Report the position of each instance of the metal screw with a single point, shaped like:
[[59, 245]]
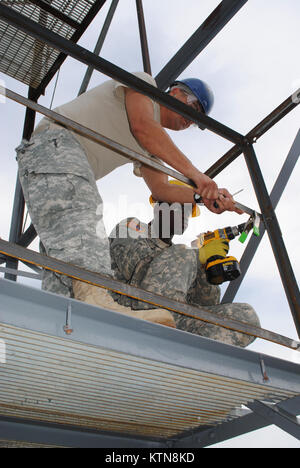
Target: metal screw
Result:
[[68, 327]]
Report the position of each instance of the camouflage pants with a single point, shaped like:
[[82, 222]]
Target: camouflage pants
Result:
[[177, 273], [64, 204]]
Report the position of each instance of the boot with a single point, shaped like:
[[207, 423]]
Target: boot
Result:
[[100, 297]]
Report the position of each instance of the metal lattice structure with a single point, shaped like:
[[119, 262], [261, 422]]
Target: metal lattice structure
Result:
[[29, 60], [191, 401]]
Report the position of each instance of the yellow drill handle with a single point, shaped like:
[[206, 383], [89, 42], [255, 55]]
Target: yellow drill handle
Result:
[[207, 237]]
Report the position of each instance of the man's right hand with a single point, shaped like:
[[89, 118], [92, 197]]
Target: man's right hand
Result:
[[225, 202], [206, 187], [216, 200]]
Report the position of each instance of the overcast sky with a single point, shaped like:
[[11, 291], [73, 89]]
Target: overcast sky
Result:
[[252, 66]]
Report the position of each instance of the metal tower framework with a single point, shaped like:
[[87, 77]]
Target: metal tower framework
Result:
[[50, 30]]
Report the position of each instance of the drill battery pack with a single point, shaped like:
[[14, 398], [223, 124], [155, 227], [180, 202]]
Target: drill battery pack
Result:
[[218, 269]]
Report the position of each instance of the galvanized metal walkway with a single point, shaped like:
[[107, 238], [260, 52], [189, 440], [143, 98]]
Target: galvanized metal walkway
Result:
[[77, 375]]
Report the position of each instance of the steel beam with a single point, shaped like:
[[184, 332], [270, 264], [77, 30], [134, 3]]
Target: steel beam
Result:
[[259, 130], [85, 56], [198, 41], [281, 256], [25, 307], [97, 137], [4, 258], [222, 432], [16, 224], [237, 427], [56, 13], [143, 37], [28, 236], [25, 240], [19, 202], [254, 242], [75, 38], [119, 287], [13, 429], [99, 45], [58, 435], [38, 311], [291, 406], [274, 415], [21, 273]]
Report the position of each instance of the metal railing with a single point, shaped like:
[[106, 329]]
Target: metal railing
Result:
[[243, 144]]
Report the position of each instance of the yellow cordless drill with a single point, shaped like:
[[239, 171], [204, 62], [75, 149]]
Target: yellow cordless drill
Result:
[[213, 248]]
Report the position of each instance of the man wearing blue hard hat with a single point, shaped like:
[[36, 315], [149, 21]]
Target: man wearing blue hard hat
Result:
[[58, 170], [200, 90], [149, 131]]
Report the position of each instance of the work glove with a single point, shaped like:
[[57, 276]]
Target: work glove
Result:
[[219, 247]]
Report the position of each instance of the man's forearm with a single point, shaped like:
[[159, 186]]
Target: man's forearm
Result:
[[157, 142], [173, 194], [153, 138]]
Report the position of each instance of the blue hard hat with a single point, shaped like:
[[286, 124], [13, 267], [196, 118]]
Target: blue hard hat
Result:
[[201, 90]]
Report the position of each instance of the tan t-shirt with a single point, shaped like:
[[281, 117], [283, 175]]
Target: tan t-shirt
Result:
[[102, 109]]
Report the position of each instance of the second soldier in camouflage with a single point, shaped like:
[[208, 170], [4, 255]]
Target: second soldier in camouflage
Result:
[[142, 256]]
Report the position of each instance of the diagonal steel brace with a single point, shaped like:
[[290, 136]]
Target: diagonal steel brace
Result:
[[277, 416]]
